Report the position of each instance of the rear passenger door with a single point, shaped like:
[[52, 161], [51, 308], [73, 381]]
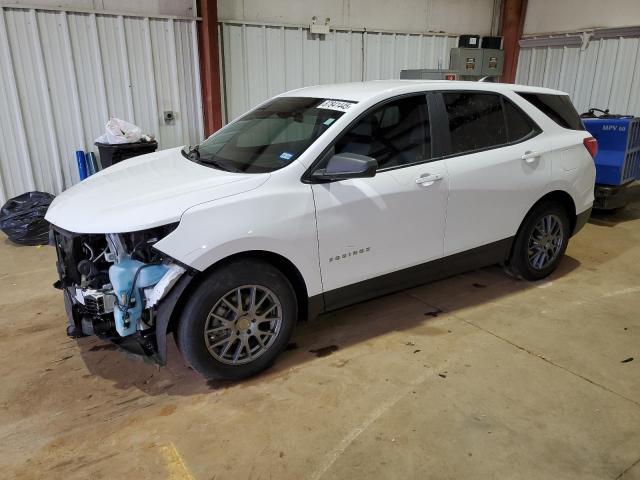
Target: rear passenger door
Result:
[[498, 165]]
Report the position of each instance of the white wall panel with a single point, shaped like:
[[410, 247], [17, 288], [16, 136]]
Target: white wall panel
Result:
[[87, 64], [62, 85], [585, 74], [188, 76], [547, 16], [605, 73], [260, 61], [153, 8], [459, 16], [63, 73], [166, 86], [34, 98], [141, 73], [16, 170]]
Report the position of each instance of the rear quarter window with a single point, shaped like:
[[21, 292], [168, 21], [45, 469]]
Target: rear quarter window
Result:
[[557, 107], [519, 125]]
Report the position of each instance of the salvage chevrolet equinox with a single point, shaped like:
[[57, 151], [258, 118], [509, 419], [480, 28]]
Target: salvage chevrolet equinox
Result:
[[316, 199]]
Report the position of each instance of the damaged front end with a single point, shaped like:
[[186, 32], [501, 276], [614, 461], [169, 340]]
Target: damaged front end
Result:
[[115, 287]]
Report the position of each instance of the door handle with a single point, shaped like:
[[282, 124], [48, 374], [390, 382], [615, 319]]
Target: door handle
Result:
[[530, 156], [428, 179]]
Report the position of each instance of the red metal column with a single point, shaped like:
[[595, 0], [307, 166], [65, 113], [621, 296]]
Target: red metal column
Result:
[[513, 15], [210, 65]]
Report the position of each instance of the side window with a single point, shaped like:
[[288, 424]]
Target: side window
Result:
[[395, 134], [519, 125], [476, 121]]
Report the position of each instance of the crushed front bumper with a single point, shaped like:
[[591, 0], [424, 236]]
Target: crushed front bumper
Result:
[[90, 309], [84, 323]]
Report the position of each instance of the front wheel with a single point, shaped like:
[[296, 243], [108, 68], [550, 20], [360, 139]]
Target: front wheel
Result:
[[540, 243], [238, 320]]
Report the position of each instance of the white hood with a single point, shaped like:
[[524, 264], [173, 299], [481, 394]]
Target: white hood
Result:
[[144, 192]]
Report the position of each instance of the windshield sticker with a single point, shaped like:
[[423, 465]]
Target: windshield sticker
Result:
[[337, 105], [329, 121], [286, 156]]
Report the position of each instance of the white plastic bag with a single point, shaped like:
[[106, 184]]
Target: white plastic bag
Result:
[[119, 131]]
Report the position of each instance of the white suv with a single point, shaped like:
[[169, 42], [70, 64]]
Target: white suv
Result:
[[316, 199]]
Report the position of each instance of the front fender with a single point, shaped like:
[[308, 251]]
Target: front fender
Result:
[[278, 218]]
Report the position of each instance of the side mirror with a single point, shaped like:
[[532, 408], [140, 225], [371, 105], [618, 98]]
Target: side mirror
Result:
[[346, 165]]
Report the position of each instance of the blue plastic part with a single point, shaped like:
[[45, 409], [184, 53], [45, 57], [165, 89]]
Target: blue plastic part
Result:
[[91, 168], [82, 164], [618, 158], [121, 276], [93, 161], [87, 162]]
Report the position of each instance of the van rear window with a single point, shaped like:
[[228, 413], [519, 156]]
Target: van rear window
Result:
[[557, 107]]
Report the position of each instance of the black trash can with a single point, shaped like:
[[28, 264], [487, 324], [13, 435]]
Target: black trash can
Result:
[[112, 154]]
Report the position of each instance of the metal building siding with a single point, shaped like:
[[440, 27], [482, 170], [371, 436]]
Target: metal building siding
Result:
[[189, 93], [85, 62], [63, 74], [261, 60], [34, 98], [141, 74], [16, 171], [605, 73]]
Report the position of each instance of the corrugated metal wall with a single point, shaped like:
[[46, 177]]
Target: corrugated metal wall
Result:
[[260, 61], [62, 74], [605, 73]]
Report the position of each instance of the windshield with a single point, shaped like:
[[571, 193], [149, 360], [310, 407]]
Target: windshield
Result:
[[270, 137]]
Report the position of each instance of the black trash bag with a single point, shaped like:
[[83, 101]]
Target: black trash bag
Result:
[[22, 218]]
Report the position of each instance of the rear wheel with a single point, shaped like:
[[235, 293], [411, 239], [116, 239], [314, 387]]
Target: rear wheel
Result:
[[541, 242], [238, 320]]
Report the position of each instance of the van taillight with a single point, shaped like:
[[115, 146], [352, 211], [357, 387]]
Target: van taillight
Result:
[[591, 144]]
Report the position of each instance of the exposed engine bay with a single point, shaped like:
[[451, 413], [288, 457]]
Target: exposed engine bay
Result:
[[112, 284]]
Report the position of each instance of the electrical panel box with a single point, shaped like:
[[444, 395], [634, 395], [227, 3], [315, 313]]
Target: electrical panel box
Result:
[[477, 62], [492, 62], [464, 64], [466, 61]]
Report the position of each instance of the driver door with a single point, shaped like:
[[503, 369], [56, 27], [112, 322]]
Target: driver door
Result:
[[372, 231]]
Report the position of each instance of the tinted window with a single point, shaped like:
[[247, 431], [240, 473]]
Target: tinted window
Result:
[[557, 107], [396, 133], [476, 121], [519, 126], [269, 137], [278, 130]]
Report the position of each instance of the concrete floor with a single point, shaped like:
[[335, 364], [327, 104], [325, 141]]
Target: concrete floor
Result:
[[478, 376]]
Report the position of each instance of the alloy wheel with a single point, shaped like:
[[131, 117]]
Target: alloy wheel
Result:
[[243, 324], [545, 242]]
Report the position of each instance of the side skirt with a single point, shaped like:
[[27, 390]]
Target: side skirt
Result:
[[496, 252]]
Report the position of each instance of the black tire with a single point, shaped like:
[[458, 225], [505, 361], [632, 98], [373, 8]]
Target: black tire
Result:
[[190, 333], [519, 263]]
